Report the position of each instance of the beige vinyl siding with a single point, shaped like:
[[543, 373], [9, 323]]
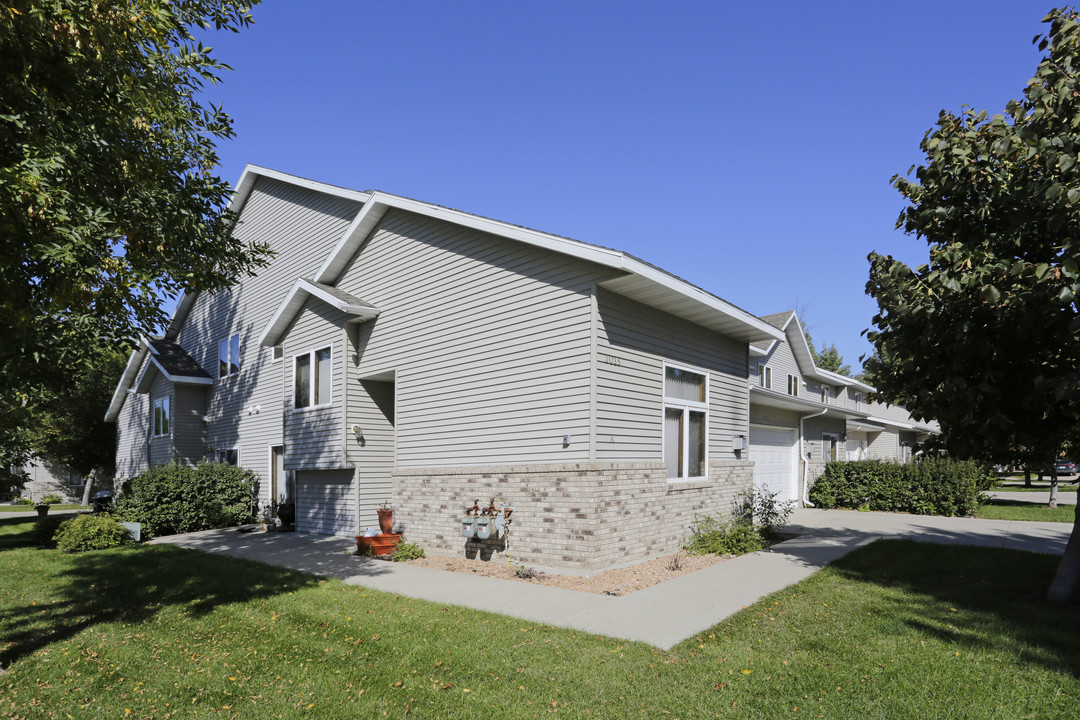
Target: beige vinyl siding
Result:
[[161, 448], [302, 226], [313, 435], [488, 339], [634, 341], [371, 408], [189, 430], [884, 445], [132, 436], [783, 363], [813, 429]]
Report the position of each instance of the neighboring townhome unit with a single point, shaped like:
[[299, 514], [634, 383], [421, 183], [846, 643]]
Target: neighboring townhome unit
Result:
[[802, 417], [395, 350]]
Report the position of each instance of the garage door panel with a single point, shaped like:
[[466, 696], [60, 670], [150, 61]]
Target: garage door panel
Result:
[[326, 502], [773, 452]]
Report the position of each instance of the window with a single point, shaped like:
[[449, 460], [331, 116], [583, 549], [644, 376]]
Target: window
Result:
[[311, 379], [793, 385], [686, 413], [278, 352], [228, 352], [829, 444], [161, 417], [230, 456], [825, 394], [858, 401], [764, 373]]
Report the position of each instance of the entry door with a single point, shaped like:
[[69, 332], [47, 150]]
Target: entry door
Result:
[[773, 451]]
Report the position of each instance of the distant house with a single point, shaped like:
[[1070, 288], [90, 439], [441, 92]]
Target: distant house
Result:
[[801, 416], [400, 351]]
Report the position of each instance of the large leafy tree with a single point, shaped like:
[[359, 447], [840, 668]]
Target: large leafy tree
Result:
[[984, 337], [109, 204]]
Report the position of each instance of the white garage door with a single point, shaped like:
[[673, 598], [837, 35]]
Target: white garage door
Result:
[[774, 454], [325, 502]]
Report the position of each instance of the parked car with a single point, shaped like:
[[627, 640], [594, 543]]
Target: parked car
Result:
[[1065, 467]]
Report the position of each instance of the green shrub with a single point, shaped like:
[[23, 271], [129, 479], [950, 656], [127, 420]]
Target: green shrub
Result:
[[930, 485], [407, 551], [52, 499], [91, 532], [171, 499], [768, 514], [710, 536], [23, 501]]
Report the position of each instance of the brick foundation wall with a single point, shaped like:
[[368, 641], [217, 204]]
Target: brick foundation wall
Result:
[[587, 516]]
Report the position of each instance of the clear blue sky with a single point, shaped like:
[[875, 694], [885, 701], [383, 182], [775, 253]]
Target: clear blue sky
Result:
[[745, 147]]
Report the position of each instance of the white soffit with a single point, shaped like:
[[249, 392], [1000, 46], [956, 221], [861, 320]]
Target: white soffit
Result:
[[126, 380]]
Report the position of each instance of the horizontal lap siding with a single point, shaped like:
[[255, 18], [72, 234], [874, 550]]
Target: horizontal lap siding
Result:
[[161, 448], [313, 435], [302, 226], [371, 408], [189, 430], [132, 431], [634, 341], [488, 339], [783, 363], [326, 502]]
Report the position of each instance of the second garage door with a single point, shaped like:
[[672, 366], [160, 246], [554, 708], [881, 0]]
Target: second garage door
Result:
[[775, 461], [325, 502]]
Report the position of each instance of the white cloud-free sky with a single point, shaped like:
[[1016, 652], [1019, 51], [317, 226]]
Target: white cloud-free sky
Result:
[[745, 147]]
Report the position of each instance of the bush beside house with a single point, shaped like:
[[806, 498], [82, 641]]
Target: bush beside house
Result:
[[930, 485], [174, 498], [91, 532]]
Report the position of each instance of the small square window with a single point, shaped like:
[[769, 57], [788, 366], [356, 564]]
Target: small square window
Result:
[[278, 352]]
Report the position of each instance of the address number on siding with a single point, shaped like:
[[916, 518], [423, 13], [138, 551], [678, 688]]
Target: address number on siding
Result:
[[611, 360]]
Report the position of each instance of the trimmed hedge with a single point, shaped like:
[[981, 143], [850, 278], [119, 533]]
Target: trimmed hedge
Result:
[[91, 532], [930, 485], [172, 499]]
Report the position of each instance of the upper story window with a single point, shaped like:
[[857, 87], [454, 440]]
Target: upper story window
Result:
[[858, 401], [277, 352], [825, 394], [228, 352], [764, 373], [160, 412], [311, 379], [793, 385], [686, 416]]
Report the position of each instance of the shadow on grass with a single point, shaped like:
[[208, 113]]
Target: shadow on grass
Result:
[[988, 599], [62, 595]]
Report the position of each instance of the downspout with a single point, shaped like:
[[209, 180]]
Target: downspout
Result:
[[804, 457]]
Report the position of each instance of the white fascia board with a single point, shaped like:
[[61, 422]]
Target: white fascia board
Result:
[[669, 281], [350, 242], [175, 379], [838, 379], [126, 380], [890, 423], [252, 172], [294, 301]]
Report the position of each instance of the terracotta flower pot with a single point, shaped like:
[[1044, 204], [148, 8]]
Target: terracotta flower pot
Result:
[[378, 544], [386, 520]]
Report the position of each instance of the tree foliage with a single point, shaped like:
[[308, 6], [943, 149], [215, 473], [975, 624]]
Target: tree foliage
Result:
[[108, 199], [984, 337], [828, 358]]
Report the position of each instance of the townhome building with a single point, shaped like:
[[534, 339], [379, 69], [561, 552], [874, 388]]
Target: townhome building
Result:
[[400, 351], [802, 417]]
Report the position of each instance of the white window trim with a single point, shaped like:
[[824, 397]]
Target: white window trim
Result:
[[274, 357], [230, 361], [793, 385], [218, 451], [765, 376], [686, 406], [292, 387], [164, 400]]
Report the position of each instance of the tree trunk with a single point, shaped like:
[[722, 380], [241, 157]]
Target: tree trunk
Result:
[[88, 487], [1053, 487], [1063, 587], [1027, 477]]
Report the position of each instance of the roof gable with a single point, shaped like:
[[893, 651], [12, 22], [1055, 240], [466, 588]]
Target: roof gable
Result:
[[293, 303]]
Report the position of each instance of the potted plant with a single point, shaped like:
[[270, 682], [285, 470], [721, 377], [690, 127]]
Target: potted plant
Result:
[[266, 518], [286, 512], [386, 518], [42, 507]]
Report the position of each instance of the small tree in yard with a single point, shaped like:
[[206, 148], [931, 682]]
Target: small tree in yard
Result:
[[985, 338]]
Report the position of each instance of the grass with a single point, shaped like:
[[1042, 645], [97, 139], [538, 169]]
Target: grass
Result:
[[52, 508], [1035, 487], [1016, 510], [895, 630]]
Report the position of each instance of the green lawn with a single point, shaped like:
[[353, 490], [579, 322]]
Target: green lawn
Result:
[[52, 508], [895, 630], [1012, 510]]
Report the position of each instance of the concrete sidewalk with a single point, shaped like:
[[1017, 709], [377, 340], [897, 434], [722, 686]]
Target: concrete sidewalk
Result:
[[662, 615]]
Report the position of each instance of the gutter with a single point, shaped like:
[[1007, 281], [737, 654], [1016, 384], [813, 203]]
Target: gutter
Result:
[[803, 456]]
